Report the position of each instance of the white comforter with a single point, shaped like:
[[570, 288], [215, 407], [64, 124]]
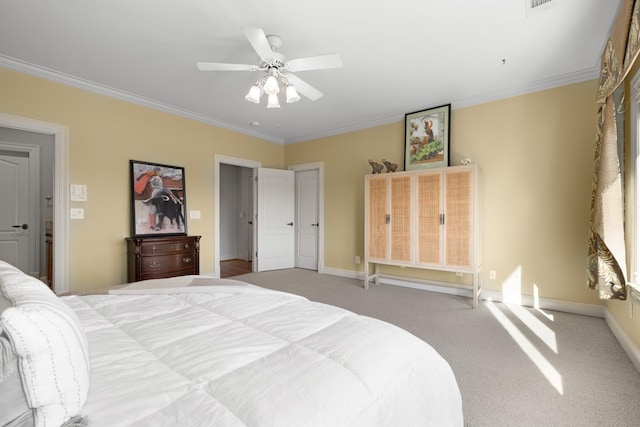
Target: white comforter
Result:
[[195, 351]]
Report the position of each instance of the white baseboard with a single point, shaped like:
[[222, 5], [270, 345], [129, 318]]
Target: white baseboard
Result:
[[629, 346], [349, 274], [593, 310]]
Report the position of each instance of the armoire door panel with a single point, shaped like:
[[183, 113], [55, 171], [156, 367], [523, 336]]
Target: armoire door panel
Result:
[[377, 218], [400, 218], [429, 214], [458, 218]]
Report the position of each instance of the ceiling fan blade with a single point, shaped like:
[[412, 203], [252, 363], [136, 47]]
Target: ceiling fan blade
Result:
[[214, 66], [320, 62], [259, 41], [303, 87]]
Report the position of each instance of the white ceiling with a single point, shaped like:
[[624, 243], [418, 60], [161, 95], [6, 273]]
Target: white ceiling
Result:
[[399, 56]]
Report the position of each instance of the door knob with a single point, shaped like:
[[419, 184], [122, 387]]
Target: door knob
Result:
[[316, 224], [23, 226], [290, 224]]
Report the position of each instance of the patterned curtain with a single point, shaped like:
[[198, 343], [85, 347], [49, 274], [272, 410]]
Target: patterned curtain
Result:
[[606, 262]]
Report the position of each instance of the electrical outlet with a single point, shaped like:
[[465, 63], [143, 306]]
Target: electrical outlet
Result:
[[492, 274], [357, 259]]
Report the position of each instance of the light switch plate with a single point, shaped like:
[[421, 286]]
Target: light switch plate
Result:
[[78, 193], [76, 213]]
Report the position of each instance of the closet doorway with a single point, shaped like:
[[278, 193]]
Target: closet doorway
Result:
[[309, 201]]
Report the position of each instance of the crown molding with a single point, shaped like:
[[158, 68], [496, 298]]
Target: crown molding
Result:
[[563, 80], [536, 86], [48, 74], [45, 73]]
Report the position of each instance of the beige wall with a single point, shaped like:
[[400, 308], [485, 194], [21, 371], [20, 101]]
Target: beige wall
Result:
[[535, 152], [536, 155], [104, 134]]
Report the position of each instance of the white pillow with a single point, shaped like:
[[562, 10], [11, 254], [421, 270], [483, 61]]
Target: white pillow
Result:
[[14, 410], [51, 347]]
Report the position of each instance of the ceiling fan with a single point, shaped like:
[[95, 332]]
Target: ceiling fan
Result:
[[278, 70]]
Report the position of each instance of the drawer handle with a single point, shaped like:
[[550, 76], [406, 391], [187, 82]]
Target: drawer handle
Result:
[[186, 246], [154, 264], [186, 260], [153, 249]]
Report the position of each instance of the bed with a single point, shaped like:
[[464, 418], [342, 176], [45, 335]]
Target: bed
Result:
[[199, 351]]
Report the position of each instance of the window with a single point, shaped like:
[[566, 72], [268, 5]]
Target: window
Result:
[[633, 201]]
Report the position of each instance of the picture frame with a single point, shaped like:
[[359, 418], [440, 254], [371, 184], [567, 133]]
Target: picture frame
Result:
[[158, 199], [426, 143]]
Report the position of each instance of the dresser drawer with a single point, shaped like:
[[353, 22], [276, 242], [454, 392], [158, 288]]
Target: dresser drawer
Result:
[[167, 265], [164, 247], [164, 263]]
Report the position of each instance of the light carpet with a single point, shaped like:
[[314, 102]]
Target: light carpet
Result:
[[515, 366]]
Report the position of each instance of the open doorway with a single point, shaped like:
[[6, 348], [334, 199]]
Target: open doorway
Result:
[[236, 220], [225, 167]]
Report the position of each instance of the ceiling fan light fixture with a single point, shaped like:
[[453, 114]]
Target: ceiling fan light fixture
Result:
[[271, 86], [276, 68], [292, 95], [273, 101], [254, 94]]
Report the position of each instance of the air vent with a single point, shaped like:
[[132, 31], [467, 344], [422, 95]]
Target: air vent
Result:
[[537, 6]]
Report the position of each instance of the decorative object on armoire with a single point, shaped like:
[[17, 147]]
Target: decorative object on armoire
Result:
[[426, 143], [160, 257], [376, 167], [425, 219], [158, 200], [465, 162], [391, 167]]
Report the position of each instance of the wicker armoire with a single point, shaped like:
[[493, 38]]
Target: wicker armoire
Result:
[[426, 219]]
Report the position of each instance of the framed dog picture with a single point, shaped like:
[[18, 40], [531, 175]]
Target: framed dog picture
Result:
[[426, 143], [158, 200]]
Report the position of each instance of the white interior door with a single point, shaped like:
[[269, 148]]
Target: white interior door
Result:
[[14, 210], [307, 223], [275, 221]]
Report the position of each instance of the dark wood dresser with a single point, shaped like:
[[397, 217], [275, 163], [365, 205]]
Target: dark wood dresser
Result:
[[159, 257]]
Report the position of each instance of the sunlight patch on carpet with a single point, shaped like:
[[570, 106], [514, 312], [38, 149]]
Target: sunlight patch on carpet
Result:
[[544, 366], [543, 332]]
